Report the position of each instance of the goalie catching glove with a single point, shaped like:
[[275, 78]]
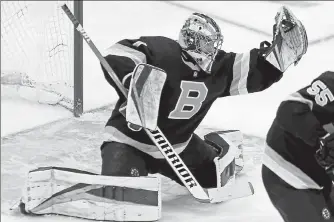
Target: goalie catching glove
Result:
[[289, 40]]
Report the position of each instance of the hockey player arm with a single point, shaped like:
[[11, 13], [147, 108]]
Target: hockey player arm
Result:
[[296, 117], [246, 73], [123, 58], [308, 113], [258, 69]]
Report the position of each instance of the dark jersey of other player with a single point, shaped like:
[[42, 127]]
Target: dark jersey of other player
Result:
[[293, 138], [188, 92]]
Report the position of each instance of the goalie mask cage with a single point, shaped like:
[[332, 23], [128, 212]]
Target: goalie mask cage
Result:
[[41, 53]]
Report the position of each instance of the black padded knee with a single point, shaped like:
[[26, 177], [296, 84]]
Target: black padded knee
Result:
[[119, 159], [218, 143]]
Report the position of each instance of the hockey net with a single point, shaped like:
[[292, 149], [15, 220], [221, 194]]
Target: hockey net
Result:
[[37, 52]]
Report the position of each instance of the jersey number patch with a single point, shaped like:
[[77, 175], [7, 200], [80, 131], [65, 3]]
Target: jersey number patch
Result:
[[321, 92], [190, 100]]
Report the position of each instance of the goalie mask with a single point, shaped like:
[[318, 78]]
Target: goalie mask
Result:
[[201, 38]]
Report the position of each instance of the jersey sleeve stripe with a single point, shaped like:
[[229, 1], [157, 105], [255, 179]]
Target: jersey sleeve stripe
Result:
[[126, 77], [139, 43], [297, 97], [240, 74], [122, 50], [287, 171], [114, 134]]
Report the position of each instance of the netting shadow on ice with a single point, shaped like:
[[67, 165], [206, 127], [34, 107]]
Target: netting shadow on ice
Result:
[[37, 51]]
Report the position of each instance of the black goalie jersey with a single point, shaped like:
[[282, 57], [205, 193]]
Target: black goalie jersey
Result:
[[293, 138], [188, 92]]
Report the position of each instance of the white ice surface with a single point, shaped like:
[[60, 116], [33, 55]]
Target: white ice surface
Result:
[[108, 22]]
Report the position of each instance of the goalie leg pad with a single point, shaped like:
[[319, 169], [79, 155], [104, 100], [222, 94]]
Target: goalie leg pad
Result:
[[71, 192]]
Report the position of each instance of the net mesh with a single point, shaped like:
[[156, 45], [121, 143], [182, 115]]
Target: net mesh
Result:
[[37, 51]]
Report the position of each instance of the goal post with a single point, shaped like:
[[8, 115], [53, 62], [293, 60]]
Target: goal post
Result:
[[42, 54], [78, 62]]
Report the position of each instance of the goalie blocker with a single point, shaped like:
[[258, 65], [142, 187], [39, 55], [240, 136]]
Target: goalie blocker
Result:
[[144, 95], [72, 192]]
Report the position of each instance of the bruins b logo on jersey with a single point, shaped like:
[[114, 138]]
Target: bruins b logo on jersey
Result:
[[190, 100]]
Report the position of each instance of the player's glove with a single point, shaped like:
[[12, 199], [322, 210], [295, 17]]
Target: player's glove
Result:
[[325, 155], [290, 41]]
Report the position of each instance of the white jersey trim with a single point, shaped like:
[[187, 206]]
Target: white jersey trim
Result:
[[122, 50], [117, 136], [240, 74], [126, 77], [297, 97], [139, 43], [287, 171]]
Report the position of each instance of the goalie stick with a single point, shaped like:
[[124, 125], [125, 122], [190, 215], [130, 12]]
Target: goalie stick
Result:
[[157, 136]]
